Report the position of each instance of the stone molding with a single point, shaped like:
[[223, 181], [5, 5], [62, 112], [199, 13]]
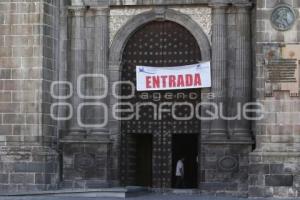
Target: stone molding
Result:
[[99, 10], [218, 5], [243, 5], [171, 2], [77, 11]]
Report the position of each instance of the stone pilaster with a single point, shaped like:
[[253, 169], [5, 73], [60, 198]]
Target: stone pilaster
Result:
[[242, 72], [101, 48], [101, 39], [100, 68], [218, 127], [115, 126], [62, 60], [86, 147], [77, 61]]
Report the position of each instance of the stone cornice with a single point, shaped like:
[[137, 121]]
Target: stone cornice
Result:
[[82, 10], [99, 10], [159, 2], [112, 3], [77, 10], [218, 5], [243, 7], [243, 4]]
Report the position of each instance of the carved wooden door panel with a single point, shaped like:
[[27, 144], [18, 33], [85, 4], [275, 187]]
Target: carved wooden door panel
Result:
[[158, 43]]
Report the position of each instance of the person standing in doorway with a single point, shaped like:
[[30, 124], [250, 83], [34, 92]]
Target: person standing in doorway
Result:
[[180, 173]]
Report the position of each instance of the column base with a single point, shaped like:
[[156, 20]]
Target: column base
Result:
[[224, 168], [85, 160]]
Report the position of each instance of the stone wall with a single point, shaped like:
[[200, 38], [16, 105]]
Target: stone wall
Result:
[[27, 39], [274, 165], [224, 169], [36, 43]]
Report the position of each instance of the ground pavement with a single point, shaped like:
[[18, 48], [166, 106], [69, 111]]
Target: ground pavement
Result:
[[143, 197]]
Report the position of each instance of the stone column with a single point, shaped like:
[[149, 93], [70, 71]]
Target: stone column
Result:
[[77, 61], [218, 127], [242, 71]]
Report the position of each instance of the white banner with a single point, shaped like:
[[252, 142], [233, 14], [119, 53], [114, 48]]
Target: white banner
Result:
[[173, 78]]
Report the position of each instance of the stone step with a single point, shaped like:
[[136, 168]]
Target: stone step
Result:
[[185, 191], [130, 191]]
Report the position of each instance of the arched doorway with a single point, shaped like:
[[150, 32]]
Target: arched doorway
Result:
[[151, 146]]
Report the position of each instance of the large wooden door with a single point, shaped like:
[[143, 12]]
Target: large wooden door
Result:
[[144, 160], [158, 43]]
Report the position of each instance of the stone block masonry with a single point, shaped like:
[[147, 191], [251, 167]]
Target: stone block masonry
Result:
[[274, 165], [28, 41], [42, 41]]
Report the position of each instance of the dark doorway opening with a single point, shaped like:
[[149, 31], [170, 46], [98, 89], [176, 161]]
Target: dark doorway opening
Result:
[[186, 146], [144, 160]]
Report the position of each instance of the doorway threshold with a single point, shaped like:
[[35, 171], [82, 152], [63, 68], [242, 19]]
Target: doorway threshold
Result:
[[185, 191]]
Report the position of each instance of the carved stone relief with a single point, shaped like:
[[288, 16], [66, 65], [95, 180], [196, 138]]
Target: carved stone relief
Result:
[[283, 17], [119, 16], [228, 163], [84, 161]]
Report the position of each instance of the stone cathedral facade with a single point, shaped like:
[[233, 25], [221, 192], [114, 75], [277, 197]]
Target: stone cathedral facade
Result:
[[56, 132]]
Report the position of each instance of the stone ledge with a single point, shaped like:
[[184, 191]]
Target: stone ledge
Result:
[[256, 153], [167, 2], [23, 150]]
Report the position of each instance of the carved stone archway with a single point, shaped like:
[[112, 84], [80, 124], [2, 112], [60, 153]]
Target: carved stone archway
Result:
[[120, 39], [116, 51]]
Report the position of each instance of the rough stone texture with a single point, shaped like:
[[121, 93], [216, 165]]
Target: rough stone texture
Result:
[[200, 14], [119, 16], [224, 169], [85, 162], [40, 42], [275, 161], [27, 60], [87, 47], [226, 144], [266, 33], [219, 63]]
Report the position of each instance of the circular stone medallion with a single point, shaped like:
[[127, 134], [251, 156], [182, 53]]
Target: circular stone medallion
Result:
[[228, 163], [283, 17], [84, 161]]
